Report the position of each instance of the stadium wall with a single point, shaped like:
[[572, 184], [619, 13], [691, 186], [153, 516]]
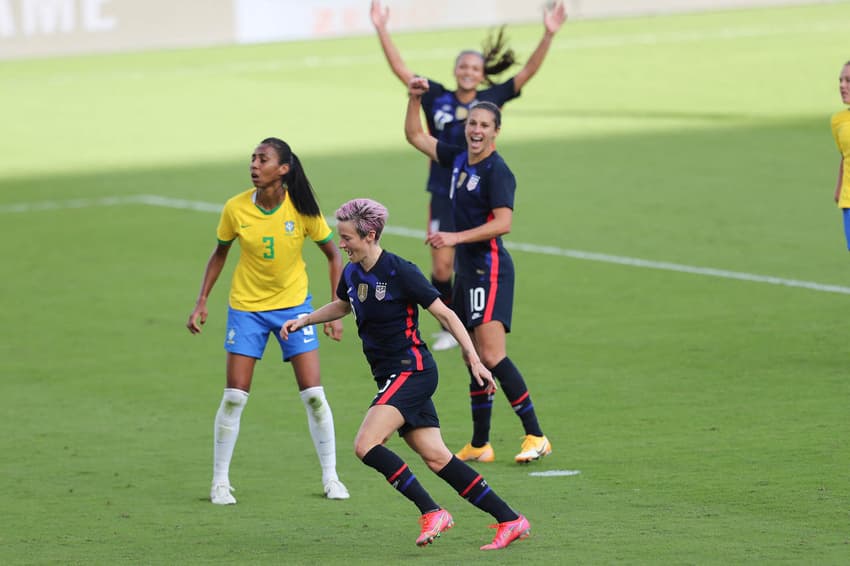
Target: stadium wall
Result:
[[42, 28]]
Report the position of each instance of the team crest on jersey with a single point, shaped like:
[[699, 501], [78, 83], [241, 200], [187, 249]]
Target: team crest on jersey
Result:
[[461, 178], [289, 226], [461, 112], [380, 291], [362, 291], [473, 182]]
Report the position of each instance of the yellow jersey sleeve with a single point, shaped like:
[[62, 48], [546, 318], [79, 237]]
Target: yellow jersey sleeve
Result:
[[840, 124], [227, 230], [317, 229]]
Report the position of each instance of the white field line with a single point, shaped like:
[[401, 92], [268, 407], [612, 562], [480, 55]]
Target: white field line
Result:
[[565, 43], [200, 206]]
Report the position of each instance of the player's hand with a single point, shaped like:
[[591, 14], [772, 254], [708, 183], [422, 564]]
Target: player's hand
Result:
[[333, 330], [291, 326], [197, 319], [483, 376], [417, 86], [380, 15], [554, 15], [439, 240]]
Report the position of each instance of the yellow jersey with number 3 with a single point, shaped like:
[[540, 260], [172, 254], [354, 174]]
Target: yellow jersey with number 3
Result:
[[841, 132], [271, 273]]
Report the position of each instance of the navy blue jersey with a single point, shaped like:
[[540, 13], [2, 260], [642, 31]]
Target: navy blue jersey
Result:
[[446, 118], [475, 191], [385, 303]]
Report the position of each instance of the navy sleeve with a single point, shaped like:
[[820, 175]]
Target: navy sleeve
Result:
[[416, 285], [447, 152], [500, 93], [342, 286], [502, 186]]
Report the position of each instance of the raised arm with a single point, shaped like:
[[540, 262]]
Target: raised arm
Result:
[[553, 17], [380, 17], [413, 130]]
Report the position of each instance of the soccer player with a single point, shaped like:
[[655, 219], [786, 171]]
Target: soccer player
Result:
[[482, 193], [446, 110], [841, 132], [271, 221], [384, 291]]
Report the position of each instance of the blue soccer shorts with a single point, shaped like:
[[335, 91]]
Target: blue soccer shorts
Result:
[[845, 212], [248, 332]]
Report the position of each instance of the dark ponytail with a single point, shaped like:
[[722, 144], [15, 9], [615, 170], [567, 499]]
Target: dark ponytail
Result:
[[498, 57], [297, 184]]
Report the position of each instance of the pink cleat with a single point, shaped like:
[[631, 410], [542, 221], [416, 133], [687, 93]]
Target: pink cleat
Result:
[[508, 532], [433, 524]]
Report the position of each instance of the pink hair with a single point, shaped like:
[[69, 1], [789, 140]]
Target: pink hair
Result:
[[366, 214]]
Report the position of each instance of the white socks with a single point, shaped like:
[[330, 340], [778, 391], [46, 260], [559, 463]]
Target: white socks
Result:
[[321, 422], [226, 432]]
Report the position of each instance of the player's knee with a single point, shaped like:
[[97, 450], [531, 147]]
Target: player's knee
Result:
[[315, 402], [442, 271], [490, 358], [362, 447], [234, 399], [436, 461]]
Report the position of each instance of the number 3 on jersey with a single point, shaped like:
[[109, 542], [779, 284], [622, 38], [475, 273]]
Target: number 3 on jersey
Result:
[[269, 244]]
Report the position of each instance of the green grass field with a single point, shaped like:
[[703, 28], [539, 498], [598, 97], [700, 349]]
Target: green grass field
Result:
[[707, 415]]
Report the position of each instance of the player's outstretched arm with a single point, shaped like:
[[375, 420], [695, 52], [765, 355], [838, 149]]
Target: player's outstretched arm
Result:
[[331, 311], [553, 18], [380, 16], [413, 130]]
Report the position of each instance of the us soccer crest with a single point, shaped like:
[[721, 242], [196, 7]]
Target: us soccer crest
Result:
[[362, 291], [380, 291], [473, 182]]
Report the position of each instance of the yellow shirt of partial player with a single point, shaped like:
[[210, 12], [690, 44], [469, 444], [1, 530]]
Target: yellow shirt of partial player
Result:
[[271, 273], [841, 132]]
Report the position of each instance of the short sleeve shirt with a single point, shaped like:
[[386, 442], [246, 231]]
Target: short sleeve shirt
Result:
[[385, 301], [446, 119], [271, 273], [475, 191], [841, 132]]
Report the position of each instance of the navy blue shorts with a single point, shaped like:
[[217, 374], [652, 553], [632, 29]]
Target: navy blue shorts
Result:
[[440, 215], [248, 332], [478, 299], [410, 392]]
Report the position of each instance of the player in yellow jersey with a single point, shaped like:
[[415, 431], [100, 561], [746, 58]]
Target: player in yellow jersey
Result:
[[271, 221], [841, 132]]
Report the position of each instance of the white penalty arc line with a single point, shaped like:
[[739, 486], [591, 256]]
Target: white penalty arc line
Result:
[[200, 206]]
